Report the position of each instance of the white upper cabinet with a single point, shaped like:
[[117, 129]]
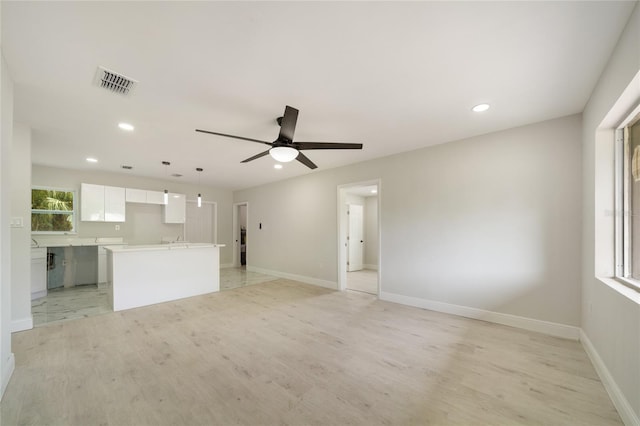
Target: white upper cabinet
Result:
[[175, 211], [155, 197], [136, 195], [114, 204], [91, 202], [99, 203], [143, 196]]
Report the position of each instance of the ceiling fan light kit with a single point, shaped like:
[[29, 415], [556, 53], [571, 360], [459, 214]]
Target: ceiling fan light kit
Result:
[[284, 149], [284, 154]]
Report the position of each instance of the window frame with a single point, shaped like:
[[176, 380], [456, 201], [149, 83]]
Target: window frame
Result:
[[73, 213], [622, 185]]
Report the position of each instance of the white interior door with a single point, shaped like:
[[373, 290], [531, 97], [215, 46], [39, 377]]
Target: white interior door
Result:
[[355, 238], [200, 226]]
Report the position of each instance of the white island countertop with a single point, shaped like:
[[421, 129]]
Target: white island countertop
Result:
[[164, 246]]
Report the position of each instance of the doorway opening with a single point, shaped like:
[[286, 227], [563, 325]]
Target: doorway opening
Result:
[[359, 237], [240, 236]]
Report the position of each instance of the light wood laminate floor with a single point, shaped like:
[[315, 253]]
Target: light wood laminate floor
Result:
[[64, 304], [364, 280], [286, 353]]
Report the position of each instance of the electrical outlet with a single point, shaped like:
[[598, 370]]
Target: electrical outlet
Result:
[[117, 227]]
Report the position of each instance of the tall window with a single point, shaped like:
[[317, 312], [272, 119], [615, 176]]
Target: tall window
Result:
[[628, 202], [52, 210]]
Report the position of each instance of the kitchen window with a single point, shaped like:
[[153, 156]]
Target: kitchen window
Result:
[[628, 201], [53, 210]]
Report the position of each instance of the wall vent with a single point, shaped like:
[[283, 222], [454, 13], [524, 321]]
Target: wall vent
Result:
[[114, 82]]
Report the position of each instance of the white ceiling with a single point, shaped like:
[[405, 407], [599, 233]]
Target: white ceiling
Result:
[[395, 76]]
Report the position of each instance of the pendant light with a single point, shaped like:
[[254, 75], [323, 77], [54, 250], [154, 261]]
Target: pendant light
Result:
[[166, 192], [199, 169]]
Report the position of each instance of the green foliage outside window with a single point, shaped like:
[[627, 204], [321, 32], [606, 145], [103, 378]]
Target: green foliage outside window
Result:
[[52, 210]]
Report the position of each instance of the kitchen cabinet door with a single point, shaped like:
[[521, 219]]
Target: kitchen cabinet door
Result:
[[114, 204], [91, 202], [99, 203], [155, 197], [133, 195], [38, 272], [175, 211]]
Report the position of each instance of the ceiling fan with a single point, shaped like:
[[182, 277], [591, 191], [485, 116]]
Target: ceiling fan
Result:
[[284, 149]]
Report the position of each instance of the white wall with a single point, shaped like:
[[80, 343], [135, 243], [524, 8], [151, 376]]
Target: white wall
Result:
[[7, 361], [488, 223], [21, 237], [610, 313], [143, 222], [371, 232]]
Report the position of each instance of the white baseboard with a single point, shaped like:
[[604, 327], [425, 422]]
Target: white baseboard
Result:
[[304, 279], [373, 267], [545, 327], [22, 324], [39, 294], [226, 265], [7, 371], [629, 417]]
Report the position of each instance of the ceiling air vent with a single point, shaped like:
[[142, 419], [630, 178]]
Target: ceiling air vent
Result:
[[176, 175], [127, 167], [114, 82]]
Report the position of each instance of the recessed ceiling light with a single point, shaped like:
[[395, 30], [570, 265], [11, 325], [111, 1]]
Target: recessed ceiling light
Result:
[[277, 166], [126, 126], [481, 108], [92, 160]]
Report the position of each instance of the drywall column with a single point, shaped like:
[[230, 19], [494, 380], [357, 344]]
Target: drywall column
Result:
[[21, 318], [7, 361]]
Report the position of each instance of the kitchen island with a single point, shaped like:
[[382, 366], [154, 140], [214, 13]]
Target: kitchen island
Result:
[[149, 274]]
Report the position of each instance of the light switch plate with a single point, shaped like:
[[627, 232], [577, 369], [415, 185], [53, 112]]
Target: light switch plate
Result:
[[16, 222]]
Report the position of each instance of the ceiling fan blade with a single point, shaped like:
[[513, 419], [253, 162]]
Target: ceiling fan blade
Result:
[[262, 154], [288, 124], [233, 136], [305, 160], [325, 145]]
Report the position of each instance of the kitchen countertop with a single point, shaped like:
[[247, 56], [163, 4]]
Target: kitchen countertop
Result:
[[75, 242], [171, 246]]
